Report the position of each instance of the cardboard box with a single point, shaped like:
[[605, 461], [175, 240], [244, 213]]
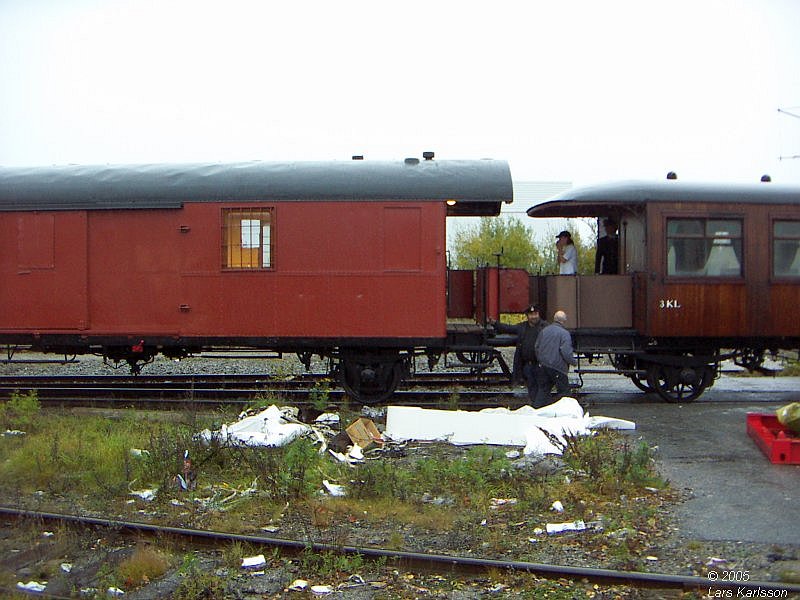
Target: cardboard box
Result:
[[363, 432]]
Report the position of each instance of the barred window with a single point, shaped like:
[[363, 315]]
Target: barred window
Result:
[[704, 247], [247, 238], [786, 249]]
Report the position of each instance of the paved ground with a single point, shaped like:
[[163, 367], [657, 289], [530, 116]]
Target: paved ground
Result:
[[737, 493]]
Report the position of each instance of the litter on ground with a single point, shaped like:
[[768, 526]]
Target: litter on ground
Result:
[[534, 428], [270, 427]]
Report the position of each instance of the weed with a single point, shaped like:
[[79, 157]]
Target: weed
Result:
[[20, 411], [320, 395], [199, 585], [790, 369], [288, 472], [453, 401], [610, 463], [144, 565], [330, 562]]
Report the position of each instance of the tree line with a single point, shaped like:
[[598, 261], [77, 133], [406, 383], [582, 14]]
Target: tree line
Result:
[[517, 246]]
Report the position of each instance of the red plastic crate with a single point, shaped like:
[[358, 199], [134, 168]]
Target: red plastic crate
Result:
[[781, 445]]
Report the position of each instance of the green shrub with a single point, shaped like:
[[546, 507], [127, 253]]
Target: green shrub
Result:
[[20, 411]]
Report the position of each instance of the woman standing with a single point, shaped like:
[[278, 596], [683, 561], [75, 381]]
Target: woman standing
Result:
[[567, 254]]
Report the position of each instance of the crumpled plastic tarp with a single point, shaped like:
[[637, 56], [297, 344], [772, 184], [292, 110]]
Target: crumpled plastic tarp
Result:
[[268, 428], [789, 416], [534, 428]]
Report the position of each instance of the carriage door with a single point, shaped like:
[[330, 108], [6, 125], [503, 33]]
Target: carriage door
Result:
[[49, 286]]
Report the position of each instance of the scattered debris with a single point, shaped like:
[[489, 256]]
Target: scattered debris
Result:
[[353, 456], [186, 480], [254, 562], [138, 452], [327, 419], [373, 412], [66, 567], [270, 427], [363, 433], [533, 428], [11, 432], [557, 506], [553, 528], [496, 503], [321, 590], [334, 489], [298, 585], [146, 495], [32, 586], [115, 591]]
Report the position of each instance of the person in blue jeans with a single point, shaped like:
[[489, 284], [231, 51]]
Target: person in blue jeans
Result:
[[554, 351]]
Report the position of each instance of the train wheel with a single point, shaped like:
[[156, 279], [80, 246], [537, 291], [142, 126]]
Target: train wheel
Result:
[[370, 381], [641, 382], [625, 362], [476, 361], [679, 384]]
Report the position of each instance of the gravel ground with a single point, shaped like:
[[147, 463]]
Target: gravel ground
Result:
[[667, 550]]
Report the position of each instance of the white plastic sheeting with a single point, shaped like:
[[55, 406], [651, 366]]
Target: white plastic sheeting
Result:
[[270, 427], [533, 428]]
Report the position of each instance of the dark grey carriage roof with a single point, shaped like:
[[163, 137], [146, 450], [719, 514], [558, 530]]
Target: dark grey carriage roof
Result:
[[170, 185], [589, 200]]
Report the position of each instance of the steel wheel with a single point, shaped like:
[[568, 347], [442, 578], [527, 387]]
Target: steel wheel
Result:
[[623, 362], [370, 382], [641, 382], [476, 361], [678, 384]]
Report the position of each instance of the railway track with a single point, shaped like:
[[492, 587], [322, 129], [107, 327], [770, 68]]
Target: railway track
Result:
[[423, 389], [214, 390], [453, 565]]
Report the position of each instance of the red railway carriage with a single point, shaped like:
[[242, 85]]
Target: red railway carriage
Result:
[[342, 259], [706, 272]]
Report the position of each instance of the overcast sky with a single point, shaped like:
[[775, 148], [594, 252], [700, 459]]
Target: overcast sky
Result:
[[563, 90]]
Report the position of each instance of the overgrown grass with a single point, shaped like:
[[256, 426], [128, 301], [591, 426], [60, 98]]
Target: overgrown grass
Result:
[[146, 564], [20, 411], [610, 463], [608, 477]]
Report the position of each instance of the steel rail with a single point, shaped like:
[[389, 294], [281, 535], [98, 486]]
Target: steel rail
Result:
[[610, 576]]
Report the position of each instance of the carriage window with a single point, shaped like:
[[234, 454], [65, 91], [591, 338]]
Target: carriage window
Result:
[[704, 247], [246, 238], [786, 249]]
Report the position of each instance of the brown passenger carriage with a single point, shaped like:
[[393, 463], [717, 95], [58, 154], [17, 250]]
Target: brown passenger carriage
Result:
[[706, 272]]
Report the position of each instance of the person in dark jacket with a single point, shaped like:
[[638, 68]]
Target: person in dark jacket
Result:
[[554, 351], [525, 362], [606, 260]]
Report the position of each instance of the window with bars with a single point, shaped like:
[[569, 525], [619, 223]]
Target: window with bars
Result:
[[247, 238], [786, 249], [704, 247]]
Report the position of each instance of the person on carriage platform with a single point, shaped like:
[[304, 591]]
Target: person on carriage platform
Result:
[[567, 254], [606, 261], [526, 364]]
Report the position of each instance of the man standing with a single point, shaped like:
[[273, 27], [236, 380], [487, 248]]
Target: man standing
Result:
[[606, 261], [527, 333], [554, 350]]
